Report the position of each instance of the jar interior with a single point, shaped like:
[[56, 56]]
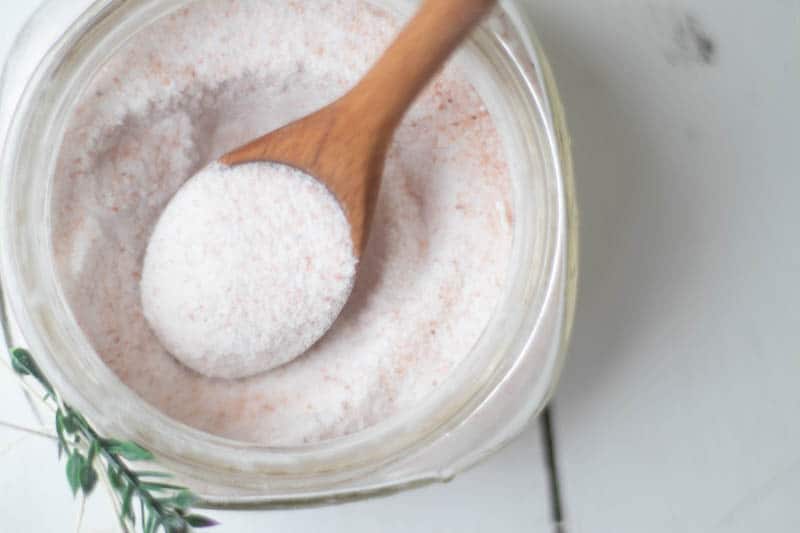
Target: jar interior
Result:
[[50, 327]]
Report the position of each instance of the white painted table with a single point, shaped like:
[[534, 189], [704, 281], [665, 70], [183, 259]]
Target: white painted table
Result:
[[678, 410]]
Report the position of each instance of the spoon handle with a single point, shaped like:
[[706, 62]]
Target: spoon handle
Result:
[[432, 35], [344, 144]]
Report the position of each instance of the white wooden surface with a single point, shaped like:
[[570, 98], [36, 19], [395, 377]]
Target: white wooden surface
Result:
[[679, 410]]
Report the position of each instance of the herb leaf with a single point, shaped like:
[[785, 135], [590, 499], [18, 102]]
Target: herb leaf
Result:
[[182, 500], [74, 468], [157, 487], [198, 521], [150, 525], [85, 448], [115, 479], [173, 524], [94, 448], [88, 478], [24, 365], [129, 450], [127, 499]]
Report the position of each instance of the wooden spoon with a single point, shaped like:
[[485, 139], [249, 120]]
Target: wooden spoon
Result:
[[344, 144]]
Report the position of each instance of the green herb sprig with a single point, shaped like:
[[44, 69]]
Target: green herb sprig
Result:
[[163, 507]]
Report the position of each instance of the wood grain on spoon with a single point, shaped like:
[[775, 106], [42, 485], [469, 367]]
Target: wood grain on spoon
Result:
[[344, 144]]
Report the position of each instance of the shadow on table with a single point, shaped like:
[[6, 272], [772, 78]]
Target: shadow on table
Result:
[[625, 196]]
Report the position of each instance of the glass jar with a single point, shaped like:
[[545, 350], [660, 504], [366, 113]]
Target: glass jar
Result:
[[505, 380]]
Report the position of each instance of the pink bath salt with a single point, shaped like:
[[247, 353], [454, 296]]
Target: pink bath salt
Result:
[[205, 79], [247, 268]]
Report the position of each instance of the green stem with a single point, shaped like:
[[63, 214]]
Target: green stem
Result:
[[81, 513], [132, 479], [30, 431], [25, 385], [114, 497]]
